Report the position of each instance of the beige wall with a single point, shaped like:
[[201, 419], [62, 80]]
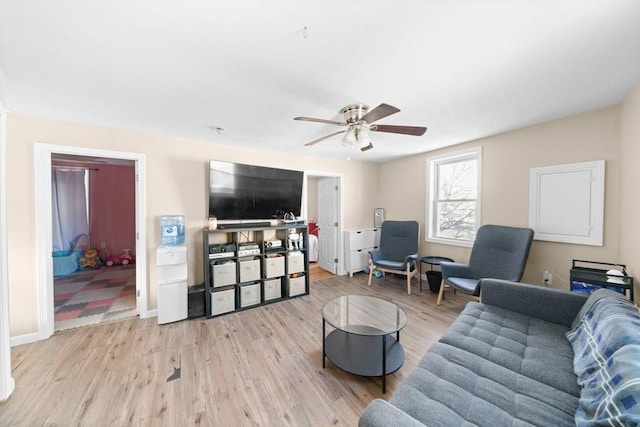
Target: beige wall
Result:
[[312, 199], [629, 188], [506, 161], [177, 178], [176, 183]]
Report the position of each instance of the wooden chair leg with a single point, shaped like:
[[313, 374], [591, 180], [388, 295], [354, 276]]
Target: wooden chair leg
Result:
[[408, 279], [370, 273], [440, 293]]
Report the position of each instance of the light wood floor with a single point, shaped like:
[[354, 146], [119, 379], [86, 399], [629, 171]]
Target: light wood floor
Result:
[[258, 367], [316, 273]]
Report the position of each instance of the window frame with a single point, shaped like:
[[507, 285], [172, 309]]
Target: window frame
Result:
[[431, 217]]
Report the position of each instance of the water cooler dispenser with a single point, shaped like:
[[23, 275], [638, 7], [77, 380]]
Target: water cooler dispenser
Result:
[[172, 270]]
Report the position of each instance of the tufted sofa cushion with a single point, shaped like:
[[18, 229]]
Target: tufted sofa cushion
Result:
[[492, 367]]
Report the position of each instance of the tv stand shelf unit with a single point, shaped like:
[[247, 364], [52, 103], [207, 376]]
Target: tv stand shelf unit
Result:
[[247, 267]]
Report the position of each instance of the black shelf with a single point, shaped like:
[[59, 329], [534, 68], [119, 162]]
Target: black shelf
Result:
[[259, 235], [584, 277], [360, 354]]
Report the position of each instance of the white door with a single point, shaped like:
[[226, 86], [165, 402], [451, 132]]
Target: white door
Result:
[[328, 224]]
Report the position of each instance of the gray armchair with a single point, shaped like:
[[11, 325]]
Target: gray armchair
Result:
[[498, 252], [398, 249]]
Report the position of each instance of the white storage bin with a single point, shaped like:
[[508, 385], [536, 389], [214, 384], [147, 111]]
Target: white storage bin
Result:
[[274, 266], [249, 295], [249, 270], [297, 286], [223, 274], [223, 301], [273, 288], [295, 262]]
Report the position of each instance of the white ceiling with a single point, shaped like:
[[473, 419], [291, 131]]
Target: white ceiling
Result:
[[464, 69]]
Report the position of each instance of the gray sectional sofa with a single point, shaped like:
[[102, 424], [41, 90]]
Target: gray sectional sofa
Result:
[[511, 361]]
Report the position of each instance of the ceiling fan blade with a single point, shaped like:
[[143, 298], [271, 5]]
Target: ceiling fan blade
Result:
[[405, 130], [324, 137], [380, 112], [311, 119]]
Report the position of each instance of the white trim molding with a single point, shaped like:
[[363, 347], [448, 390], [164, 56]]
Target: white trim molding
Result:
[[42, 163], [432, 179], [566, 203], [7, 383]]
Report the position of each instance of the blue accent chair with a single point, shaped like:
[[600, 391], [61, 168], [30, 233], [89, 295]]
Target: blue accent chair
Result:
[[498, 252], [398, 251]]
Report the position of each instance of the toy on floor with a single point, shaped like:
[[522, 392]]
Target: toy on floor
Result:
[[377, 273], [124, 258], [90, 259]]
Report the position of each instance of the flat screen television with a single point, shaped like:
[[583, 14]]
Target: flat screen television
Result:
[[246, 192]]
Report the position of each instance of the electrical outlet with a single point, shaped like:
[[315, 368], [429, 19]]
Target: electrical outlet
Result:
[[546, 277], [103, 245]]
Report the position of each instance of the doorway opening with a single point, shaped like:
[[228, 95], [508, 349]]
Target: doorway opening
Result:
[[45, 156], [324, 216], [93, 211]]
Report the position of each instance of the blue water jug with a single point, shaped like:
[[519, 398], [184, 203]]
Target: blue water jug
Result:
[[172, 230]]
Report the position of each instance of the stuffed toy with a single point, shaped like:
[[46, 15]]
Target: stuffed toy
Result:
[[90, 259]]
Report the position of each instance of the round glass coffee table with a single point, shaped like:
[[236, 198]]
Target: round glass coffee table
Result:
[[362, 341]]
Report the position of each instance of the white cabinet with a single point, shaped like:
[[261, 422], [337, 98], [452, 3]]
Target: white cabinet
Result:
[[172, 275], [358, 243]]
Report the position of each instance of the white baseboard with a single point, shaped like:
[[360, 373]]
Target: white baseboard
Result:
[[33, 337], [150, 313], [24, 339]]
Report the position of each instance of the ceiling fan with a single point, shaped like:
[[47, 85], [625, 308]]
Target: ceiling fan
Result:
[[358, 121]]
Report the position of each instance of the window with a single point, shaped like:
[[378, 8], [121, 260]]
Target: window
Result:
[[453, 186]]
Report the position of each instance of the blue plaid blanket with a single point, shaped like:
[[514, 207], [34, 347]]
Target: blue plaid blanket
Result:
[[606, 345]]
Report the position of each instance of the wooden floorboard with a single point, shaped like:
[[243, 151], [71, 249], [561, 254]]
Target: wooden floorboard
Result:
[[316, 273], [257, 367]]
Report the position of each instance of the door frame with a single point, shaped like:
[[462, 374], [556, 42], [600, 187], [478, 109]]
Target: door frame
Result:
[[340, 268], [7, 383], [44, 232]]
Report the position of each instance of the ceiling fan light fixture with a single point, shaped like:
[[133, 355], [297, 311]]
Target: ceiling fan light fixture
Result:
[[350, 139], [364, 142]]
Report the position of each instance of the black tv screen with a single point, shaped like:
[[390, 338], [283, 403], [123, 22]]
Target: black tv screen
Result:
[[238, 191]]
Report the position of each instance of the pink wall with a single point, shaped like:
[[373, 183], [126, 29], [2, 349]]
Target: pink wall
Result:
[[112, 208], [111, 205]]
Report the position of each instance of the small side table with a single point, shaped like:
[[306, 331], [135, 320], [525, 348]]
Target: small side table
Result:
[[432, 260]]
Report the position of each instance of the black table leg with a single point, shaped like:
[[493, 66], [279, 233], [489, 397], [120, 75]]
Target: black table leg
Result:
[[384, 364], [324, 354]]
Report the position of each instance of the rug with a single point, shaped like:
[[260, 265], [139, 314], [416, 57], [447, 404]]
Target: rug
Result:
[[92, 296]]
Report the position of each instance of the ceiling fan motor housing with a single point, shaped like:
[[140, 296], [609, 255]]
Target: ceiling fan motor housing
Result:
[[354, 113]]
